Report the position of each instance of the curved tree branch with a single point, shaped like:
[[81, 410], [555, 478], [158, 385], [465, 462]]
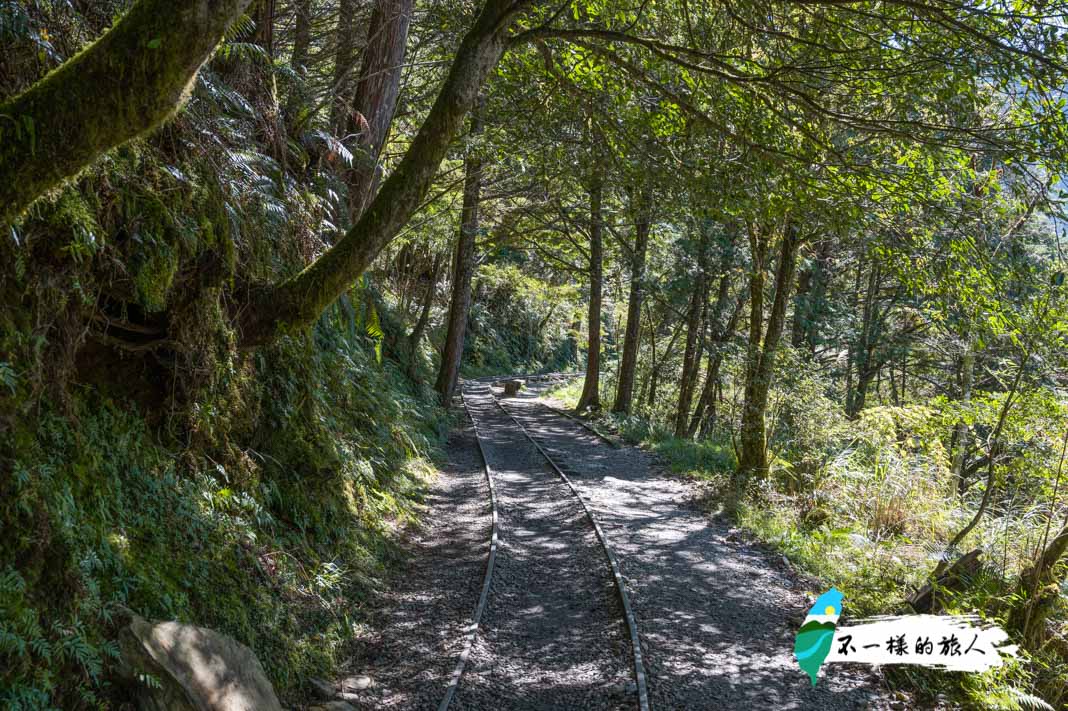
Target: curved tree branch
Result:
[[300, 300], [120, 87]]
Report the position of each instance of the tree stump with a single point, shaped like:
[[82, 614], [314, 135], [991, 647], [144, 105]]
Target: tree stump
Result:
[[512, 387]]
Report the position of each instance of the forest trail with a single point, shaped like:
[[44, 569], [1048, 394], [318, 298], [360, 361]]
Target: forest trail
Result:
[[716, 615]]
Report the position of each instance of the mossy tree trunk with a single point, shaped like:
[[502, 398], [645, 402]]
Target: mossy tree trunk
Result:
[[463, 271], [763, 345], [591, 386], [376, 96], [632, 336], [123, 85]]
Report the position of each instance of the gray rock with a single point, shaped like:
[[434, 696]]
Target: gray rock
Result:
[[356, 683], [179, 667], [322, 689]]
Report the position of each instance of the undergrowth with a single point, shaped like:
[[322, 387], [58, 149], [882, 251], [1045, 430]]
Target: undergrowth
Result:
[[867, 506]]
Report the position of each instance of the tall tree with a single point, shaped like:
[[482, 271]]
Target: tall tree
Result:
[[463, 269], [591, 386], [632, 336], [763, 344], [376, 96]]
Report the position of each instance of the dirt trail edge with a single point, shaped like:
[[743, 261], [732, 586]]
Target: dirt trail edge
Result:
[[717, 616], [417, 625]]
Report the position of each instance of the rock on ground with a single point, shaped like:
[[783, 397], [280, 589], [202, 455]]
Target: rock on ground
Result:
[[179, 667]]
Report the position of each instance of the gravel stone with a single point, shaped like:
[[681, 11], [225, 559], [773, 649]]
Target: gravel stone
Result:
[[716, 616]]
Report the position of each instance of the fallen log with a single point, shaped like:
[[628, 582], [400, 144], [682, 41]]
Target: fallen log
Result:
[[955, 578]]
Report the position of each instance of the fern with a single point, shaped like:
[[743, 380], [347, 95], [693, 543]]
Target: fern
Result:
[[241, 28], [374, 329], [1027, 702], [245, 52]]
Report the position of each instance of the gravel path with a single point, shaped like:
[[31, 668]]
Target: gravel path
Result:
[[418, 624], [717, 616], [552, 635]]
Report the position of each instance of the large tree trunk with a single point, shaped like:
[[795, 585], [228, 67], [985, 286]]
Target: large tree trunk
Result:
[[124, 85], [864, 358], [632, 337], [752, 456], [302, 10], [344, 60], [376, 96], [691, 358], [463, 271], [299, 300], [591, 386]]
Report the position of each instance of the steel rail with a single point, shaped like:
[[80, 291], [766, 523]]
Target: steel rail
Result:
[[617, 576], [487, 579]]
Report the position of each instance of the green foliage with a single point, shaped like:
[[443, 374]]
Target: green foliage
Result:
[[108, 514], [518, 323]]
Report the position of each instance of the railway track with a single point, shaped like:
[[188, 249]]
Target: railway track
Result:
[[545, 632]]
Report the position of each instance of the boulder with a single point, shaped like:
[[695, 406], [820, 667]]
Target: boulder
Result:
[[356, 683], [322, 689], [178, 667]]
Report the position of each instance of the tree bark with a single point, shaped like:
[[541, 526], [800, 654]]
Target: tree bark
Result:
[[424, 317], [376, 96], [591, 386], [632, 337], [298, 301], [463, 271], [707, 401], [125, 84], [691, 358], [752, 457], [343, 63], [301, 33]]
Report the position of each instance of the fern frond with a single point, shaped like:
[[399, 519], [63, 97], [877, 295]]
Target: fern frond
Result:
[[245, 52], [240, 28], [1028, 702]]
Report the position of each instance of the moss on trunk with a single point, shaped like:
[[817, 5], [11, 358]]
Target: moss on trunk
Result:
[[121, 86], [300, 300]]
